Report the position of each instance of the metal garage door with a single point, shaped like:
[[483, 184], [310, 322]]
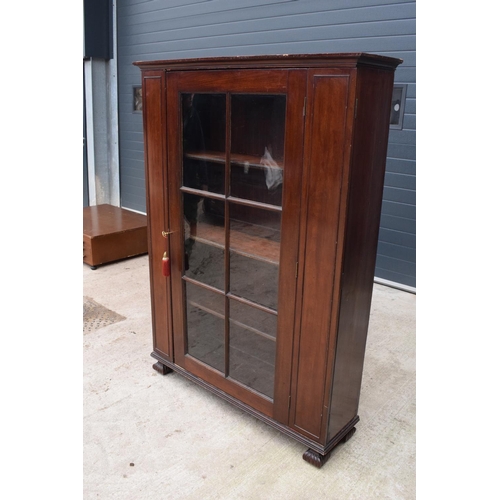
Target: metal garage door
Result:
[[164, 29]]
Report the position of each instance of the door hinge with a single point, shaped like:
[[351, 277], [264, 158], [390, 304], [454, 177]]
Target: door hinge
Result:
[[304, 108], [289, 401], [356, 109], [296, 270]]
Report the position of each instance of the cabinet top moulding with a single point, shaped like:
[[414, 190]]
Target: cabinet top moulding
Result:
[[344, 60]]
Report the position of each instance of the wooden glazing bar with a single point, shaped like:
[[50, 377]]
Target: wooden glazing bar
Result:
[[200, 192], [202, 285], [233, 321]]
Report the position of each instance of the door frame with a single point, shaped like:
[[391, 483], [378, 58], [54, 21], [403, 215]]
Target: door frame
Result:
[[293, 84]]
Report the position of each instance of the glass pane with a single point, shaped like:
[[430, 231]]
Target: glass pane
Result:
[[204, 137], [257, 147], [250, 183], [203, 241], [205, 325], [253, 318], [254, 254], [252, 347]]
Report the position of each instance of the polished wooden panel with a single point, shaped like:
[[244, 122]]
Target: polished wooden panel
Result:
[[292, 188], [249, 81], [112, 233], [229, 386], [338, 263], [362, 226], [325, 150], [176, 220], [153, 85]]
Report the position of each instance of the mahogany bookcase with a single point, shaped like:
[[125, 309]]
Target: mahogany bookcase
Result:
[[264, 180]]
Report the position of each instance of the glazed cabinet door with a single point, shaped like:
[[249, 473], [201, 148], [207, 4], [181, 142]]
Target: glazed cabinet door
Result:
[[234, 179]]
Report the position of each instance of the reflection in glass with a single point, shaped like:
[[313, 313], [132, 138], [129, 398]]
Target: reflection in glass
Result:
[[250, 183], [257, 146], [203, 242], [204, 135], [205, 325], [254, 242], [252, 347], [254, 280]]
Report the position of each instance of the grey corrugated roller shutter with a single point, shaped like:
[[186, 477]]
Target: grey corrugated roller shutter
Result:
[[170, 29]]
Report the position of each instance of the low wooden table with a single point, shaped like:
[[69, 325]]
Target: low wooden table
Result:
[[112, 233]]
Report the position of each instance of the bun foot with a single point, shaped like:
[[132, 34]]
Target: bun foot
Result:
[[161, 368], [314, 458], [348, 435]]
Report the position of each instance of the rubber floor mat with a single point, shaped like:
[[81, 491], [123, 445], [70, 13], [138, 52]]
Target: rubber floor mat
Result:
[[96, 316]]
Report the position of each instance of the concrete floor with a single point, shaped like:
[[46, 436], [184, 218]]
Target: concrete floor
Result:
[[148, 436]]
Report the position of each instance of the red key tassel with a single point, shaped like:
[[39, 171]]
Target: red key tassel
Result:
[[165, 262]]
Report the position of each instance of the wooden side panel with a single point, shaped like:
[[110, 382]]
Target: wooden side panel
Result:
[[366, 181], [325, 158], [153, 84]]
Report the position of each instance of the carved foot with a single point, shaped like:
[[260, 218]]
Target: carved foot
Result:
[[348, 435], [161, 368], [314, 458]]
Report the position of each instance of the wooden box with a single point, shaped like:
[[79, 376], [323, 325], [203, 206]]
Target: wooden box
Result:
[[111, 233]]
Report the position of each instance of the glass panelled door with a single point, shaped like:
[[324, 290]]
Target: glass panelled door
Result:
[[233, 169]]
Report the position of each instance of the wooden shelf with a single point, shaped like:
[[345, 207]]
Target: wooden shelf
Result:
[[235, 158], [233, 321], [241, 243]]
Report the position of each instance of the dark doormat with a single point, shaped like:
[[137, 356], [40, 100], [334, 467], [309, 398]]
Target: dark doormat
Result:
[[96, 316]]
